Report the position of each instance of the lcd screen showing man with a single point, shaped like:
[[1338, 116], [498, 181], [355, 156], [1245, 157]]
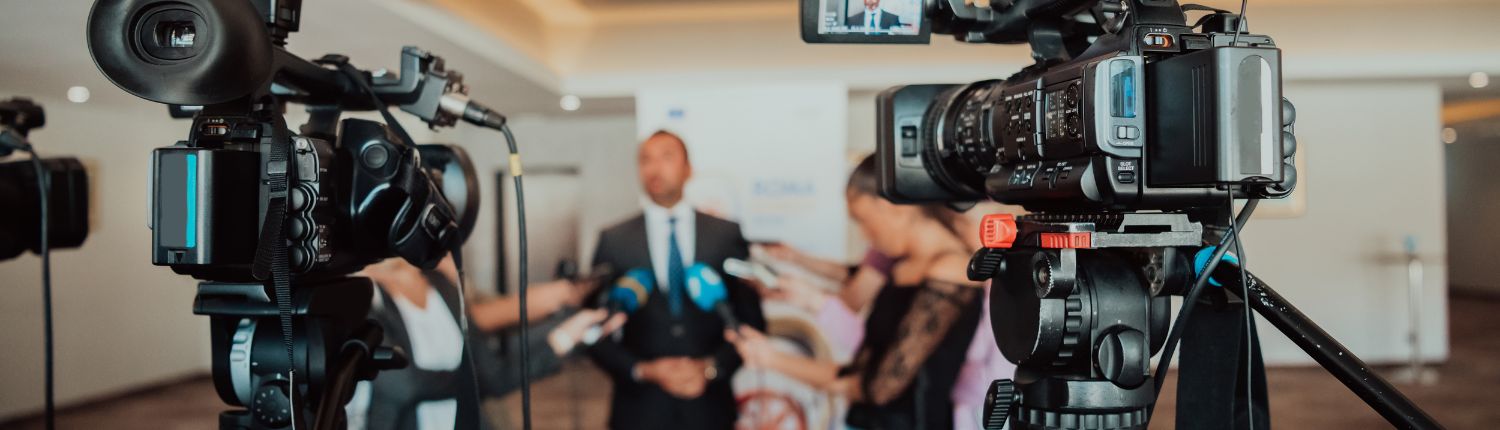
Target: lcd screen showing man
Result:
[[893, 17]]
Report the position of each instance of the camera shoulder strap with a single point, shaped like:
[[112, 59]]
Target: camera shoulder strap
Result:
[[271, 259]]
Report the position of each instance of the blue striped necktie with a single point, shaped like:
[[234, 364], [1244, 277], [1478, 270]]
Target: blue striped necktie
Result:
[[676, 274]]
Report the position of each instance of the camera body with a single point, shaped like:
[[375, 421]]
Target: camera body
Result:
[[1154, 117], [347, 193], [353, 198]]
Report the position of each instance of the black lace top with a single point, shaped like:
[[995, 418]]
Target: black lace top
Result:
[[914, 346]]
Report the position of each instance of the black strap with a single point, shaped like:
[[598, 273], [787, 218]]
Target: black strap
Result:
[[271, 259], [1211, 372]]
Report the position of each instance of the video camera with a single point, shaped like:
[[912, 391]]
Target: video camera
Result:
[[1128, 140], [273, 219], [1126, 109], [21, 183]]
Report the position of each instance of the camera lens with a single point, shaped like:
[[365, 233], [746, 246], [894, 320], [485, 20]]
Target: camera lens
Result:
[[962, 149], [176, 34]]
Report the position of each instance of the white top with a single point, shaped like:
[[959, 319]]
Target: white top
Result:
[[437, 343], [872, 18], [657, 235]]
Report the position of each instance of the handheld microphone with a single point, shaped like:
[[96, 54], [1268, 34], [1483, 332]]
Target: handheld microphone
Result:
[[707, 289], [628, 294]]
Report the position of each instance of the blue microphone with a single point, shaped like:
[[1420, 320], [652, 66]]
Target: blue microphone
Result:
[[630, 291], [708, 292], [627, 295]]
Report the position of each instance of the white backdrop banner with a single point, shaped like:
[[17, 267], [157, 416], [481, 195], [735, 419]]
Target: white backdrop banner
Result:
[[769, 156]]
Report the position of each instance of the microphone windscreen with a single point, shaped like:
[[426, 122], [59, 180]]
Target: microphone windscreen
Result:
[[705, 286], [631, 289]]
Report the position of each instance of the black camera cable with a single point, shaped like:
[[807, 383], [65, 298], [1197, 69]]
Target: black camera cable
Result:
[[14, 140], [1239, 25], [44, 189], [1239, 250], [515, 173], [1191, 300]]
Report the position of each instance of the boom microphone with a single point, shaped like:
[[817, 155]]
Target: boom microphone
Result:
[[708, 292]]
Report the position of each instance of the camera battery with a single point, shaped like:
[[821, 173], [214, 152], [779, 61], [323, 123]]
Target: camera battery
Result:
[[1216, 118]]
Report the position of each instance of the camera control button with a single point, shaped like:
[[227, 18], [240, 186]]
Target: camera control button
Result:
[[299, 199]]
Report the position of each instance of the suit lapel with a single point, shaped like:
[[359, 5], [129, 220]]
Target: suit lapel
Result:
[[638, 240], [702, 245]]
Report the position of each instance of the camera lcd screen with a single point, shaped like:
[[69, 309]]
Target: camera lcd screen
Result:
[[863, 21]]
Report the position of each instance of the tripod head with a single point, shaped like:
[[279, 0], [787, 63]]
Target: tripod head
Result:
[[1079, 304]]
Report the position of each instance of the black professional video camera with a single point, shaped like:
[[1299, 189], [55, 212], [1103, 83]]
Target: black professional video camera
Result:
[[272, 219], [21, 185], [1128, 140], [1126, 109]]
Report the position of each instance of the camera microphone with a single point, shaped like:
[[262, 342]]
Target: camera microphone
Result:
[[707, 289], [459, 105]]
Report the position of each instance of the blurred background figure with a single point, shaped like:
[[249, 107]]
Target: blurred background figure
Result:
[[436, 390], [671, 367], [919, 327], [840, 314]]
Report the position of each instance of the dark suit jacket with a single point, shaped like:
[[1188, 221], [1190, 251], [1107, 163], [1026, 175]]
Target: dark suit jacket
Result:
[[652, 332], [887, 20]]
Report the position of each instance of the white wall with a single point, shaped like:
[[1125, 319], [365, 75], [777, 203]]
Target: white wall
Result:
[[1374, 175], [120, 322], [602, 148]]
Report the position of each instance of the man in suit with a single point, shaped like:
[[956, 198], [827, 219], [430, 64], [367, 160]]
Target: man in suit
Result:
[[670, 364], [873, 17]]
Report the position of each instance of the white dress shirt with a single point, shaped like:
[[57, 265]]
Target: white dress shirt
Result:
[[657, 234], [872, 18]]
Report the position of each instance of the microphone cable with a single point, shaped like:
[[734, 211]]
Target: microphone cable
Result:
[[14, 140], [515, 173]]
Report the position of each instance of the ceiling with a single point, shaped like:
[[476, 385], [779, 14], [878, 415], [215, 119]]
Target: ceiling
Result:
[[46, 53], [630, 3], [521, 55]]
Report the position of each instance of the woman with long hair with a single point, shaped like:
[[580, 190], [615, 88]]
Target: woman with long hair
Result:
[[919, 326]]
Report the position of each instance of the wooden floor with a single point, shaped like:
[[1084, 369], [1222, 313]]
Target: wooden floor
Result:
[[1468, 396]]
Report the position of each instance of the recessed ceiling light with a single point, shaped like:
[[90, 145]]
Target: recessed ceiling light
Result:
[[1479, 79], [78, 94], [570, 103], [1450, 135]]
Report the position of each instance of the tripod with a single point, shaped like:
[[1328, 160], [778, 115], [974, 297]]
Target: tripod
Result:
[[1081, 304], [334, 347]]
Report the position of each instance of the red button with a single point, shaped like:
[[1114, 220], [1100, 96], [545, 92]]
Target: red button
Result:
[[997, 231], [1067, 240]]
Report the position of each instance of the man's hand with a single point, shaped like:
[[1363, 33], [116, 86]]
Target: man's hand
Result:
[[682, 377]]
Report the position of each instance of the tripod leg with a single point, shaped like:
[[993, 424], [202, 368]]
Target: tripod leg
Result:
[[1329, 353]]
